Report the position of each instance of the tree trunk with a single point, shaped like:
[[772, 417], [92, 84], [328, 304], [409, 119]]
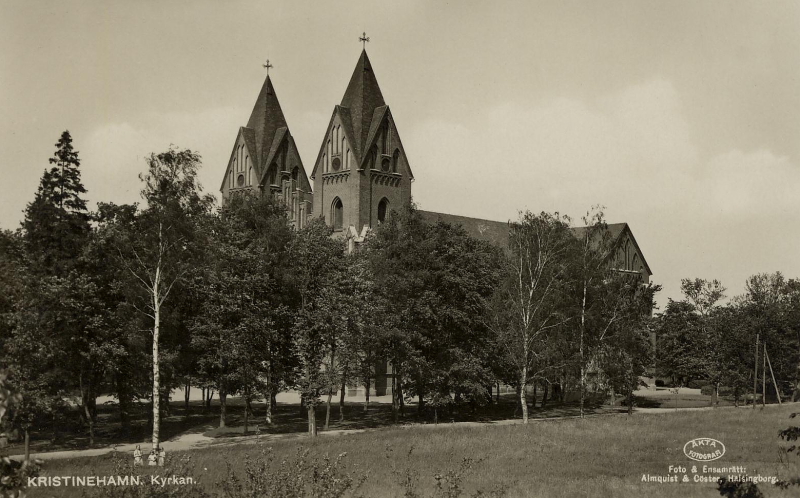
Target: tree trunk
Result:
[[545, 390], [421, 406], [124, 405], [367, 384], [210, 394], [400, 399], [498, 392], [246, 412], [268, 403], [328, 409], [27, 446], [523, 401], [186, 392], [535, 393], [167, 407], [85, 405], [312, 421], [341, 402], [583, 359], [394, 398], [223, 408], [716, 395], [630, 401], [156, 378]]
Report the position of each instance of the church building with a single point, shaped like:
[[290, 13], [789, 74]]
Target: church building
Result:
[[360, 173]]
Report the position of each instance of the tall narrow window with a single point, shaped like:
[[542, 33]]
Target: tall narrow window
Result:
[[338, 214], [272, 174], [383, 207], [395, 160]]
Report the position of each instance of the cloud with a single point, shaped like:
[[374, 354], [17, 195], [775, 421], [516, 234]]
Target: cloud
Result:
[[114, 154], [631, 151]]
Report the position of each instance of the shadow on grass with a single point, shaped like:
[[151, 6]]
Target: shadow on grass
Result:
[[290, 420]]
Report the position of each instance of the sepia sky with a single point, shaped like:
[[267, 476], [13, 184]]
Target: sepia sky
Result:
[[682, 118]]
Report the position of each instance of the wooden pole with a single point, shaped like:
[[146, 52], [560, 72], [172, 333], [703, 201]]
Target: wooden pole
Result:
[[777, 391], [755, 376], [764, 376]]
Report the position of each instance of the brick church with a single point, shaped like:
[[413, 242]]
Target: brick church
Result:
[[360, 173]]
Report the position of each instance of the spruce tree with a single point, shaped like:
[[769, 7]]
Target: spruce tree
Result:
[[56, 222]]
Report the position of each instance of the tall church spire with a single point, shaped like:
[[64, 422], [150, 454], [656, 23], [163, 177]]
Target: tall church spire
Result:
[[362, 97], [266, 118]]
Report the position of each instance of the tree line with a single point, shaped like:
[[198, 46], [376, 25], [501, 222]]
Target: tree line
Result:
[[137, 300]]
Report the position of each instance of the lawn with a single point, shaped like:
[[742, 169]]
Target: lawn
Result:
[[291, 418], [604, 455]]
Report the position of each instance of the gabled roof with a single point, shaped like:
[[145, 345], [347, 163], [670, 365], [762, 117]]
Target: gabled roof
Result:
[[249, 145], [496, 232], [273, 149], [377, 119], [347, 128], [362, 97], [266, 118]]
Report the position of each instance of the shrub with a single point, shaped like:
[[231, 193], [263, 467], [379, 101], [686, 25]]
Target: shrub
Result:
[[707, 390], [659, 383], [698, 384], [292, 478], [123, 466]]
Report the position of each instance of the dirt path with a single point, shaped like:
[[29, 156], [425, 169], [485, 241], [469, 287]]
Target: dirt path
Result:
[[196, 440]]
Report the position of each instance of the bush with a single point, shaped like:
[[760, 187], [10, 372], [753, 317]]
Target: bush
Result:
[[659, 383], [707, 390], [698, 384]]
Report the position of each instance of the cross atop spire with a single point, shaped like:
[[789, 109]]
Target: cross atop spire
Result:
[[268, 65], [364, 39]]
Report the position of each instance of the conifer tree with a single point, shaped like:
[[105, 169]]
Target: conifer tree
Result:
[[56, 222]]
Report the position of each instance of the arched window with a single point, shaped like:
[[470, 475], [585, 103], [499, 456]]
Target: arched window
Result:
[[324, 163], [272, 174], [627, 255], [337, 214], [296, 174], [383, 208], [347, 159], [250, 176], [395, 160], [373, 157]]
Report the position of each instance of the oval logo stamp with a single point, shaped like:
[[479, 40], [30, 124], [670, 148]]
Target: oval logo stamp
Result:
[[704, 449]]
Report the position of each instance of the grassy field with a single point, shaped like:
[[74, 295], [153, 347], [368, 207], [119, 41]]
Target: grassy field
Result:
[[596, 457], [290, 418]]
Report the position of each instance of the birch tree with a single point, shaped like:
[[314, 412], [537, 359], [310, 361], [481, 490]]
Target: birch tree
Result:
[[526, 307], [159, 245]]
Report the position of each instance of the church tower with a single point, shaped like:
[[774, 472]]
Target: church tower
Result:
[[265, 159], [361, 171]]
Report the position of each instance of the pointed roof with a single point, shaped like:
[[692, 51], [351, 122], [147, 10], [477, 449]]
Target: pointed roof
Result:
[[362, 97], [266, 118]]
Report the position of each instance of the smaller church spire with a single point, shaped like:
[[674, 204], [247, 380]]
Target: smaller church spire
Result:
[[364, 39], [268, 66]]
